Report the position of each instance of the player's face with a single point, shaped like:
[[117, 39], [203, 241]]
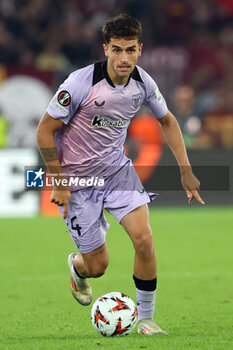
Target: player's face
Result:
[[122, 57]]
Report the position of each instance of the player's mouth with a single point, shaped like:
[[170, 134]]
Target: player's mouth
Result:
[[124, 68]]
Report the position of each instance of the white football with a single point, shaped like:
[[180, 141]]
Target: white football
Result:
[[114, 314]]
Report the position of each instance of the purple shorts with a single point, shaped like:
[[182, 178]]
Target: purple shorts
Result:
[[121, 193]]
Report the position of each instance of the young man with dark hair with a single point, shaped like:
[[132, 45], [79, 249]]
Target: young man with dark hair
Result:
[[83, 133]]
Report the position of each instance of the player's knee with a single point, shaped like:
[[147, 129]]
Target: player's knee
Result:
[[144, 243]]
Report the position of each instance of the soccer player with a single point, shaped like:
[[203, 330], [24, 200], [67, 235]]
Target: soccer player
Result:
[[82, 134]]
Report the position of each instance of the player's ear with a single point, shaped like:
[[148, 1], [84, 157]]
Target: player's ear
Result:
[[105, 49], [140, 49]]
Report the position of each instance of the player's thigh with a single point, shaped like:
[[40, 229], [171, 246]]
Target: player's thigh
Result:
[[136, 220], [86, 221]]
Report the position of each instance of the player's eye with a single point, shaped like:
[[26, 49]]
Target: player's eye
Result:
[[131, 50], [116, 50]]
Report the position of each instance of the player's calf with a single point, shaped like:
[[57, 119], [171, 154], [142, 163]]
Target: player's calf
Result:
[[94, 263], [97, 270]]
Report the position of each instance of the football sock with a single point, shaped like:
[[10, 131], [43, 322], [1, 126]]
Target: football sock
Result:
[[82, 281], [146, 294]]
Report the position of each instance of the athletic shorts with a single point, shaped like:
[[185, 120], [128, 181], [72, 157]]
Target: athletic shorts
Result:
[[122, 193]]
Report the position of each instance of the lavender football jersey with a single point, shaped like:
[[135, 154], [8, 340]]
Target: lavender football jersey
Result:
[[96, 116]]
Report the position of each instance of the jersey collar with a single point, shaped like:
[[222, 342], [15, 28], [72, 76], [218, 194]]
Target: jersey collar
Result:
[[134, 74]]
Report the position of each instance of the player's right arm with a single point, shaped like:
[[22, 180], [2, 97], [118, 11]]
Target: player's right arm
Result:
[[48, 149]]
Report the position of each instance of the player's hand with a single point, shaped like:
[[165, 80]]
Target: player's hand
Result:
[[61, 197], [191, 185]]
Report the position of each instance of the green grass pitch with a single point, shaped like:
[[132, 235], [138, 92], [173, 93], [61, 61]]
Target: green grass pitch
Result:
[[194, 297]]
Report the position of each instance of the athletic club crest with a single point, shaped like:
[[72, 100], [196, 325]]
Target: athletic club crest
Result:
[[136, 100]]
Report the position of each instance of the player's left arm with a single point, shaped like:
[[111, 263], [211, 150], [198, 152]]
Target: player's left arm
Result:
[[174, 138]]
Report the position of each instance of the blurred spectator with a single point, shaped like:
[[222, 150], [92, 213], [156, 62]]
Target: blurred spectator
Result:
[[187, 41], [185, 111], [51, 58], [26, 25], [7, 53], [217, 132], [217, 128], [176, 25], [78, 41]]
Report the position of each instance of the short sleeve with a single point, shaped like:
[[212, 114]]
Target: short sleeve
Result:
[[154, 100], [69, 96]]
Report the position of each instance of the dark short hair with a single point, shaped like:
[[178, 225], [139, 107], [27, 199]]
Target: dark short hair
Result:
[[122, 26]]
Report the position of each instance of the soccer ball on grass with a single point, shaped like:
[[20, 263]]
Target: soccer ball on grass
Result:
[[114, 314]]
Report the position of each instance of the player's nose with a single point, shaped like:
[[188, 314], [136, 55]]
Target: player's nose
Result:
[[124, 57]]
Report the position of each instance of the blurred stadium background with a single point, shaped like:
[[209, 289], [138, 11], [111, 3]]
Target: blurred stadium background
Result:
[[188, 49]]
